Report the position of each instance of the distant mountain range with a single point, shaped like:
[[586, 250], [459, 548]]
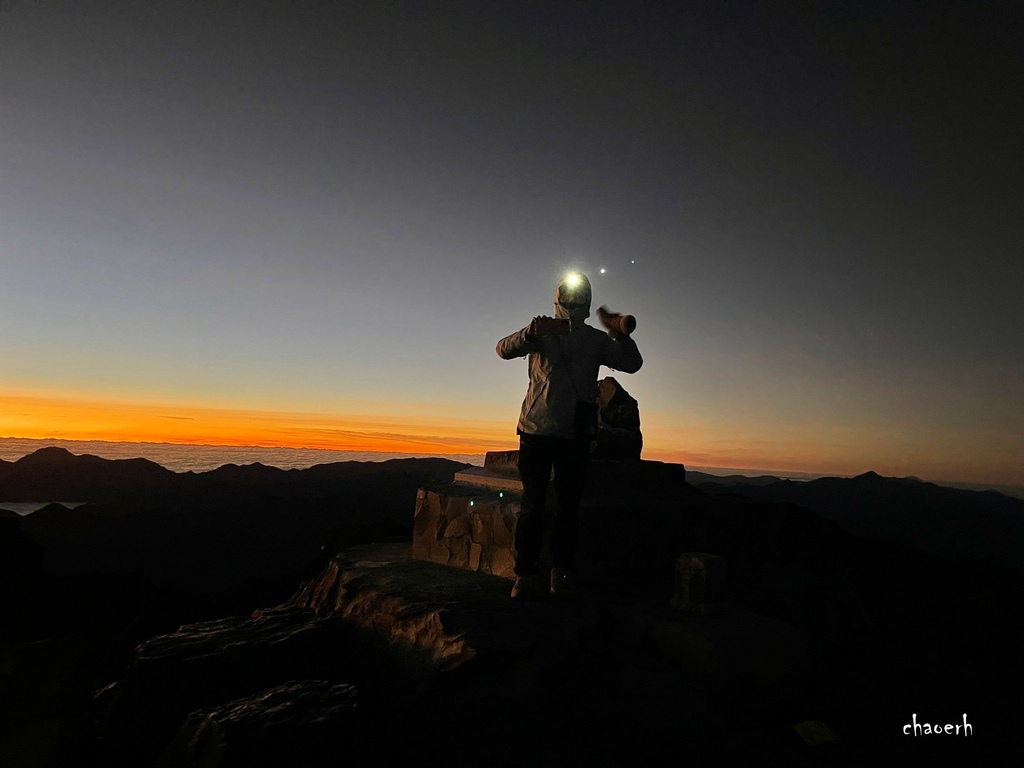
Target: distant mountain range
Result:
[[755, 477], [207, 531], [695, 478], [140, 506], [55, 473], [946, 522]]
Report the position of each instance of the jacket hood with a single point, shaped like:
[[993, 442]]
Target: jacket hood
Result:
[[577, 310]]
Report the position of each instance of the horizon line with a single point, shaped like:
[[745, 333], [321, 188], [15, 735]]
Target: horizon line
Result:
[[749, 472]]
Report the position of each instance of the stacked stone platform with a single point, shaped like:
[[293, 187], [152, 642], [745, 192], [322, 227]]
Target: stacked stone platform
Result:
[[468, 526], [629, 510]]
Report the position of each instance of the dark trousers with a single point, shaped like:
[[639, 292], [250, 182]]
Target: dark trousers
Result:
[[537, 455]]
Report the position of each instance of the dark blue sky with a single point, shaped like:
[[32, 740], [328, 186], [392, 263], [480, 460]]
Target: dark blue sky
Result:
[[814, 210]]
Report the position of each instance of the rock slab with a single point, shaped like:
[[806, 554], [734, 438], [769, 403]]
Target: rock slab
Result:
[[299, 722]]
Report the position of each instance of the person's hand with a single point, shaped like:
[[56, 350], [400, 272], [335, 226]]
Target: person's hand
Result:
[[617, 324], [546, 326]]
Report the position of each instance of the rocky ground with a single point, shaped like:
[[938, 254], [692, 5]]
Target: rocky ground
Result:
[[822, 647]]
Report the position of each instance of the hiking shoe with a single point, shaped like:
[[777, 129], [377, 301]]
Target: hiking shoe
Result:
[[528, 588], [562, 582]]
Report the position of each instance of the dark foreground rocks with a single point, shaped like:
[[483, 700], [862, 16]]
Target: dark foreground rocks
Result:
[[437, 656], [401, 659], [296, 723], [815, 648]]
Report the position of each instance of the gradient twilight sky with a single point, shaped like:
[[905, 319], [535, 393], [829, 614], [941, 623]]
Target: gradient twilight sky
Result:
[[308, 223]]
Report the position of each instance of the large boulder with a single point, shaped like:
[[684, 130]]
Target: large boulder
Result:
[[619, 435]]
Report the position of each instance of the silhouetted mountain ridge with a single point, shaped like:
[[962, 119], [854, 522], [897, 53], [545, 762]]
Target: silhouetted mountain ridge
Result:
[[56, 473], [230, 525], [946, 522], [696, 478]]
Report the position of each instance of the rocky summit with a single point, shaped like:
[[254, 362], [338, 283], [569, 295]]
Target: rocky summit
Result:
[[706, 627]]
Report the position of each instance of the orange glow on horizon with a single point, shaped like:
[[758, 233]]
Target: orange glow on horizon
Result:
[[70, 417], [79, 419]]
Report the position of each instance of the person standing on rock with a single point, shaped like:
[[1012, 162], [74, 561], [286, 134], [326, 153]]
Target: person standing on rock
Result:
[[557, 423]]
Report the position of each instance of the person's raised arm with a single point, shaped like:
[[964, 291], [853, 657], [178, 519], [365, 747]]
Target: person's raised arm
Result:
[[525, 341], [622, 354], [516, 344]]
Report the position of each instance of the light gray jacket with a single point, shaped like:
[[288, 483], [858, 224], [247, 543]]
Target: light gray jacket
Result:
[[563, 369]]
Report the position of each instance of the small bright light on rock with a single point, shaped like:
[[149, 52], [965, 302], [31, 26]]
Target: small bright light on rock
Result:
[[471, 502]]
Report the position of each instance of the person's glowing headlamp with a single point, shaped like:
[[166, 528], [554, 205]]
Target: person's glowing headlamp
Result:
[[574, 291]]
